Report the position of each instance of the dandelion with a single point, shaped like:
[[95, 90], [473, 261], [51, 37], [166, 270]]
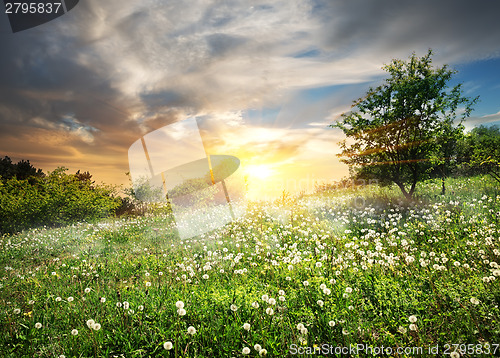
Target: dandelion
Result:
[[96, 327], [148, 284], [90, 323], [58, 299], [454, 354], [38, 325], [191, 330], [288, 278], [348, 290], [331, 323], [179, 304], [54, 273], [70, 299], [234, 308], [257, 347], [181, 312], [103, 299], [300, 326], [320, 303], [412, 319], [265, 298], [168, 345], [282, 298], [272, 301], [246, 350], [255, 304], [205, 277], [263, 352], [281, 292], [319, 264], [474, 301], [304, 331], [87, 290], [17, 311], [327, 291], [305, 283], [74, 332], [413, 327], [31, 302], [402, 330], [246, 326], [270, 311]]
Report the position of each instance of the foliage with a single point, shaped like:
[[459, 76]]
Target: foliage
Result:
[[55, 199], [21, 170], [404, 128], [480, 151], [362, 267]]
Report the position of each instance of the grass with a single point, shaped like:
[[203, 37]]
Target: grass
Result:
[[354, 266]]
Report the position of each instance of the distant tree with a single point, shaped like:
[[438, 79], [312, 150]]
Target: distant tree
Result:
[[401, 129], [483, 151], [21, 170]]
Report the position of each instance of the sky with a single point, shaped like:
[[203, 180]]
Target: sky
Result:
[[264, 78]]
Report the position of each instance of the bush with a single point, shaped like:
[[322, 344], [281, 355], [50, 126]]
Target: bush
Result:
[[54, 200]]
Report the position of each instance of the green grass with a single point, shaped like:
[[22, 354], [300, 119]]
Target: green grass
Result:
[[351, 266]]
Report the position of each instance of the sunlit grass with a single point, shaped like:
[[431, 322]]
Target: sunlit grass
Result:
[[342, 267]]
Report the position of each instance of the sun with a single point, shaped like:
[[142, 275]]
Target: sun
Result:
[[259, 171]]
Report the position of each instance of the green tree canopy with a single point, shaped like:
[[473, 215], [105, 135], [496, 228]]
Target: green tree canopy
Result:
[[399, 131]]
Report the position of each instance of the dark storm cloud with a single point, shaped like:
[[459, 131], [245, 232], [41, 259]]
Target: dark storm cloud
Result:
[[458, 29]]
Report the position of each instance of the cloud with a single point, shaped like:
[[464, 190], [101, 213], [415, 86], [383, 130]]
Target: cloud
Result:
[[123, 68]]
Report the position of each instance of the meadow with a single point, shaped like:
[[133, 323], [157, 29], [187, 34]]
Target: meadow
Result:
[[296, 276]]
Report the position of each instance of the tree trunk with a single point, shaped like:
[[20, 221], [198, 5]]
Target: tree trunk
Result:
[[407, 195]]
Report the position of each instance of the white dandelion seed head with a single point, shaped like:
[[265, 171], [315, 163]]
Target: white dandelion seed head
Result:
[[191, 330], [90, 323], [70, 299], [263, 352], [181, 312], [270, 311], [74, 332], [38, 325], [246, 350], [168, 345], [87, 290], [331, 323], [257, 347], [413, 327], [246, 326], [179, 304], [412, 319], [234, 308]]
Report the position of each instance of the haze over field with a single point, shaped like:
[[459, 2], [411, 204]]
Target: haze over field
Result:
[[267, 76]]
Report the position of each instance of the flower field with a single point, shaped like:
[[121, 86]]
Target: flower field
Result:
[[348, 267]]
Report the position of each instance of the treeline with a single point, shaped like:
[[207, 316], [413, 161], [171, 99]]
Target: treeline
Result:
[[478, 152], [30, 198]]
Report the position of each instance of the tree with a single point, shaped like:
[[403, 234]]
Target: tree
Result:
[[400, 129], [483, 151]]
